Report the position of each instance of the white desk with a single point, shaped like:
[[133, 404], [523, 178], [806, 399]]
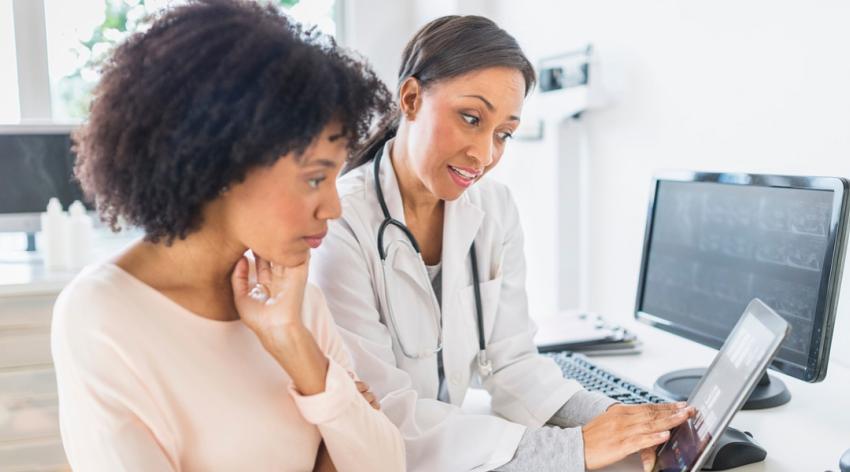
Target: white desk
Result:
[[809, 434]]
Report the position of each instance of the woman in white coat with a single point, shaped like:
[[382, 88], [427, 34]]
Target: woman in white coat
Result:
[[419, 230]]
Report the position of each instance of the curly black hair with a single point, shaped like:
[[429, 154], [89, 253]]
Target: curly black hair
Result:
[[212, 89]]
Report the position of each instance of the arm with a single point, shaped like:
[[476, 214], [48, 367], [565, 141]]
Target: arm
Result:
[[357, 436], [107, 419], [292, 322], [608, 432], [437, 436], [526, 387]]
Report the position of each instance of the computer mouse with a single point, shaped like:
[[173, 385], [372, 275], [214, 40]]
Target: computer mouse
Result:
[[734, 449], [844, 463]]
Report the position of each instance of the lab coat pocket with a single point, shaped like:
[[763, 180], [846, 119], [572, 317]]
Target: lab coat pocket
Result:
[[490, 293]]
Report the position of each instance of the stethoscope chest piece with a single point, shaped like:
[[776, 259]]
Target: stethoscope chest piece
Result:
[[485, 367]]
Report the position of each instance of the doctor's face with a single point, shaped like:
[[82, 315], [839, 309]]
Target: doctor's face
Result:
[[458, 128], [281, 211]]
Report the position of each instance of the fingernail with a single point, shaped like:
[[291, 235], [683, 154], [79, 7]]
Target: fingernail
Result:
[[682, 404], [664, 434]]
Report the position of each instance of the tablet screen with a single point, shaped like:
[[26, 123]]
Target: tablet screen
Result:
[[737, 367]]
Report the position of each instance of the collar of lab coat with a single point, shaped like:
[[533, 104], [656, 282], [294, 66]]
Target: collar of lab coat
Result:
[[461, 220]]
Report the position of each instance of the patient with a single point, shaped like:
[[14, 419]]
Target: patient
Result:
[[220, 129]]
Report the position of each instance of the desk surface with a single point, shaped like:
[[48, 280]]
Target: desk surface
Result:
[[23, 273], [808, 434]]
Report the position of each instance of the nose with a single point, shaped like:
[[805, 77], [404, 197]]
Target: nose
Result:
[[482, 149], [330, 207]]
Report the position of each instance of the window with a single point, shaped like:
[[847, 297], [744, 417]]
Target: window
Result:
[[81, 33], [10, 107]]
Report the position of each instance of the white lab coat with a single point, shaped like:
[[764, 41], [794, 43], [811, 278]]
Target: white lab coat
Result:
[[526, 389]]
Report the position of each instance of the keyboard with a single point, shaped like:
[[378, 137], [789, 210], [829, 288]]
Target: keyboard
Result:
[[596, 379]]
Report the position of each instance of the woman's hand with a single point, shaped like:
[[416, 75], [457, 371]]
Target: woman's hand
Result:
[[272, 310], [363, 388], [271, 307], [624, 430]]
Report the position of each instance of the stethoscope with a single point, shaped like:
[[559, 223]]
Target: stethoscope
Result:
[[485, 367]]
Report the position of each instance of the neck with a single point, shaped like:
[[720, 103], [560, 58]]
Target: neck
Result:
[[417, 200], [204, 260], [194, 271]]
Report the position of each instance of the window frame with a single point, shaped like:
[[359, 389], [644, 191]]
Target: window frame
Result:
[[34, 93]]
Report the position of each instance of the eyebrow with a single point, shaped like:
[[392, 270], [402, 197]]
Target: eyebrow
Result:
[[321, 162], [490, 105]]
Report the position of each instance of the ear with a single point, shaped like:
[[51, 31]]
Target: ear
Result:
[[410, 98]]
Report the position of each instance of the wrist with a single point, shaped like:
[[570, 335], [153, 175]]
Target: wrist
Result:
[[286, 338]]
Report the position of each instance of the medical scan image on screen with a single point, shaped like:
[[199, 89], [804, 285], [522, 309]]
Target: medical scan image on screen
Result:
[[736, 366], [716, 247]]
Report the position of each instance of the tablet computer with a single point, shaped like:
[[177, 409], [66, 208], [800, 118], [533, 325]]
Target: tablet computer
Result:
[[724, 388]]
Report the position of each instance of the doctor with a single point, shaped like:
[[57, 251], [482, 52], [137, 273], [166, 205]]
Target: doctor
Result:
[[424, 274]]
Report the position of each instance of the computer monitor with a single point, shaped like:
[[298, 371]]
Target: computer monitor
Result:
[[715, 241], [36, 164]]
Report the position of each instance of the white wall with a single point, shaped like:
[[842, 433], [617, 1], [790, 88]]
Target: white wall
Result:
[[758, 86]]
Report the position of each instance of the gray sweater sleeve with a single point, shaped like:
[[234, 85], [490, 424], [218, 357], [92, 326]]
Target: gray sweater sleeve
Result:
[[561, 447], [582, 407], [548, 449]]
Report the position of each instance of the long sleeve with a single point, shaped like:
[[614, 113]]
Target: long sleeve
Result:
[[434, 432], [548, 449], [526, 387], [358, 437], [559, 448], [581, 408], [107, 420]]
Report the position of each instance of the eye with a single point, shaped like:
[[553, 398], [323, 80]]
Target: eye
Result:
[[504, 136], [314, 183], [470, 119]]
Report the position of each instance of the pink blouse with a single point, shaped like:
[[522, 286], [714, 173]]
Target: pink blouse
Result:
[[146, 385]]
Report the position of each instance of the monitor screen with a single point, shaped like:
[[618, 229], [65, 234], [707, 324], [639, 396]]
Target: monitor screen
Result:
[[714, 245], [35, 167]]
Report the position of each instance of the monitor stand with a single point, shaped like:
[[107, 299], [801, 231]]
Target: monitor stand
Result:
[[678, 385]]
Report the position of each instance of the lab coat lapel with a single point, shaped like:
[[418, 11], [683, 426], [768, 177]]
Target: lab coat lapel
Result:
[[461, 221], [392, 196]]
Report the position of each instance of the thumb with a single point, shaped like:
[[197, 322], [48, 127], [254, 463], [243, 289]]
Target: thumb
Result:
[[647, 457], [239, 279]]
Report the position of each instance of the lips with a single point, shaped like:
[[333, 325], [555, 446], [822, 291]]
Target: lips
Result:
[[463, 176], [315, 240]]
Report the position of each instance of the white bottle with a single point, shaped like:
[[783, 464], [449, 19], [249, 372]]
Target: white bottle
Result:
[[79, 237], [53, 226]]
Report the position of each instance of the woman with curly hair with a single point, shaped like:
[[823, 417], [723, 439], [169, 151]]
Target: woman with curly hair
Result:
[[220, 129]]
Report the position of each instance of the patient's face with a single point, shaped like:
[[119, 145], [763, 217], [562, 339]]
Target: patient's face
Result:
[[277, 209], [459, 131]]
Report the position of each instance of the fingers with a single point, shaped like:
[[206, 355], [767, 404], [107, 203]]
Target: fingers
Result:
[[650, 407], [264, 271], [656, 421], [644, 441], [363, 388], [287, 278]]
